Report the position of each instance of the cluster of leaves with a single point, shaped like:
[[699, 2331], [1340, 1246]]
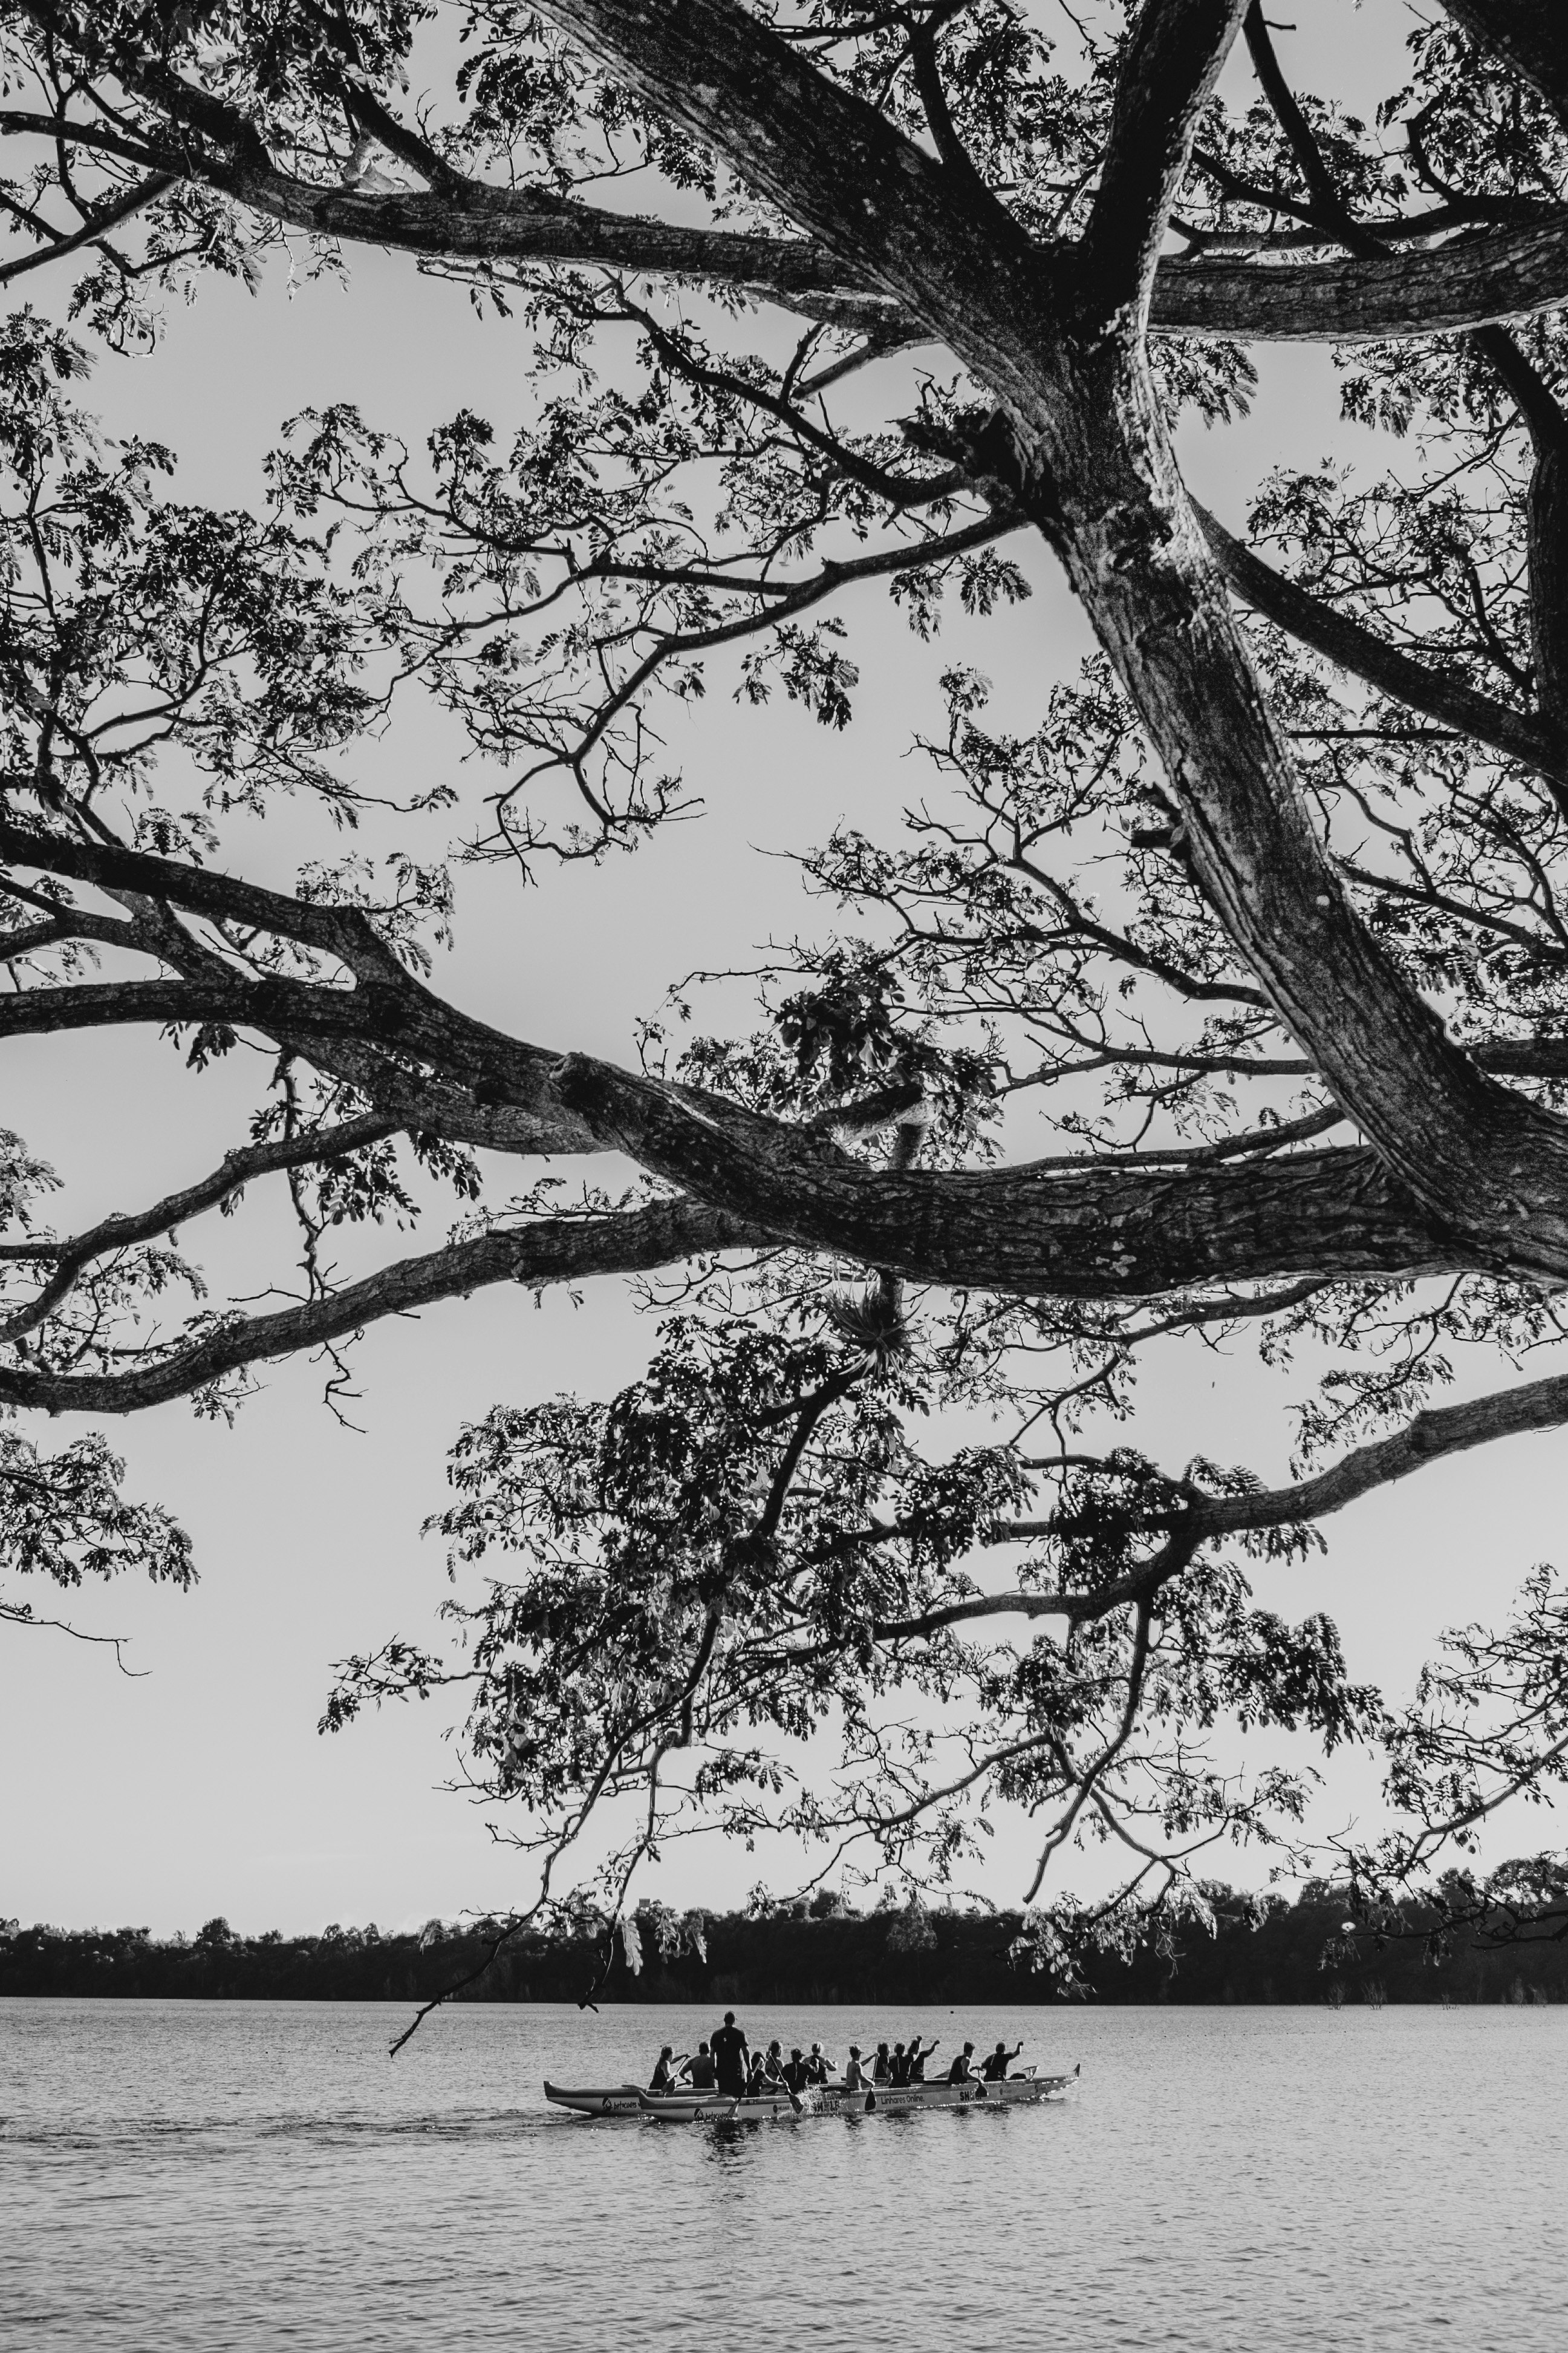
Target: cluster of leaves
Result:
[[628, 533], [148, 93], [63, 1517], [744, 1553], [1489, 1721], [134, 627], [1463, 142]]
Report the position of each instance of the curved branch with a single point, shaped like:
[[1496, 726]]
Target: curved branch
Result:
[[1494, 274], [791, 600], [457, 219], [124, 208], [469, 221], [1537, 743], [1443, 1430], [117, 1233], [346, 933], [1169, 68], [549, 1251], [1094, 1230]]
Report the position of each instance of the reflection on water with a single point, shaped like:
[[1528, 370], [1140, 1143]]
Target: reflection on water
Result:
[[248, 2175]]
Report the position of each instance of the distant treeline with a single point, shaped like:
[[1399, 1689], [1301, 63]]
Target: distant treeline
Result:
[[789, 1954]]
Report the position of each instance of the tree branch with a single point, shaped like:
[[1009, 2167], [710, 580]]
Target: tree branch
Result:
[[344, 933], [473, 222], [1491, 274], [895, 220], [927, 69], [68, 1258], [550, 1250], [1539, 742], [1329, 208], [123, 208], [1169, 68], [1443, 1430]]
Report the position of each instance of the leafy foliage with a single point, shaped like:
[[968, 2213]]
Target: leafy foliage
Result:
[[762, 1587]]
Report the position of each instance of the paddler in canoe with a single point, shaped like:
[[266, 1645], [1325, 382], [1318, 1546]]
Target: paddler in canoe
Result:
[[962, 2068], [996, 2068], [918, 2058], [795, 2074], [819, 2070], [702, 2071], [668, 2070], [908, 2064]]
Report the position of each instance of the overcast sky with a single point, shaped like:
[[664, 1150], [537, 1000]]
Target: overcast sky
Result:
[[202, 1787]]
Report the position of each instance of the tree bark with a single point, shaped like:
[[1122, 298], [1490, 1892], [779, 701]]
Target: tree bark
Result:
[[1065, 360], [1548, 554]]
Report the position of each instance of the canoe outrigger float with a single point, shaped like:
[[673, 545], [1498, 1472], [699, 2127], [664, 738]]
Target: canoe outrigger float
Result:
[[610, 2100], [816, 2100]]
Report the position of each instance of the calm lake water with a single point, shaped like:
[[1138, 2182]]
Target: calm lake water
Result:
[[258, 2174]]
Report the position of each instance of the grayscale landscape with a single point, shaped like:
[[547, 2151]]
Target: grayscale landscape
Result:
[[784, 1187]]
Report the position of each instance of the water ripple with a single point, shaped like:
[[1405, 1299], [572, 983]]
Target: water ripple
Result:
[[194, 2177]]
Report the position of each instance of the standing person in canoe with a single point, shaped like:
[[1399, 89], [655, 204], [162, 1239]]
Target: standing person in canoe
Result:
[[918, 2058], [996, 2068], [962, 2067], [730, 2052], [668, 2070]]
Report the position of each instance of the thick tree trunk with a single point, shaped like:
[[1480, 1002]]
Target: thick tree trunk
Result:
[[1548, 549], [1060, 345], [1484, 1162]]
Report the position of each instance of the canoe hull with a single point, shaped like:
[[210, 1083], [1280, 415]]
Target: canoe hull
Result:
[[686, 2107], [605, 2100], [893, 2099], [772, 2106], [819, 2100]]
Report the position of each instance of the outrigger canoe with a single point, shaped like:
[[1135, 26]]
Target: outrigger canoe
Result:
[[817, 2100], [608, 2100]]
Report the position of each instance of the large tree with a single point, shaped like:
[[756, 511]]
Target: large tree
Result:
[[1225, 999]]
